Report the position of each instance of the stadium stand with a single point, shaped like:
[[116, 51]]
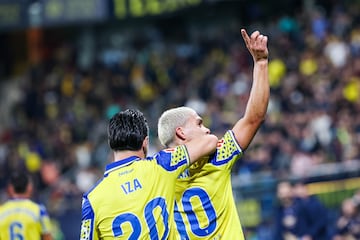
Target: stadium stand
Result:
[[61, 79]]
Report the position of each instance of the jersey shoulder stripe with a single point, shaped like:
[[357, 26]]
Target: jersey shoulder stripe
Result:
[[228, 150]]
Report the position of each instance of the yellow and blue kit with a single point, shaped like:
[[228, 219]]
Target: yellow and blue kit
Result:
[[205, 207], [135, 198], [23, 219]]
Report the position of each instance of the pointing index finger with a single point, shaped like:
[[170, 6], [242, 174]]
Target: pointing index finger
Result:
[[245, 35]]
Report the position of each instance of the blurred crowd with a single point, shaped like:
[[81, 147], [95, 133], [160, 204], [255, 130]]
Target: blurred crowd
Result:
[[348, 223], [53, 117], [301, 215]]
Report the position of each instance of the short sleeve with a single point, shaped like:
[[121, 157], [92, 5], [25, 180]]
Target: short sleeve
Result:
[[173, 159], [228, 151], [44, 220], [87, 231]]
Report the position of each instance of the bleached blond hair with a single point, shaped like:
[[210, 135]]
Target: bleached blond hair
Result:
[[170, 120]]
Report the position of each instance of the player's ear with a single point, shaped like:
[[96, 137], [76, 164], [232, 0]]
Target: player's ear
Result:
[[180, 133], [145, 142], [145, 146]]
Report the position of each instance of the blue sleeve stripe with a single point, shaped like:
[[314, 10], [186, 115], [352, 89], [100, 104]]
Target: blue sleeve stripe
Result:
[[43, 211], [224, 161], [87, 210], [43, 214]]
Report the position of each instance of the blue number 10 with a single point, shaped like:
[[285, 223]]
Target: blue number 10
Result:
[[191, 215]]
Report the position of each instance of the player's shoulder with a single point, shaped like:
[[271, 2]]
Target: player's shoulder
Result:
[[3, 206], [227, 140], [178, 152], [29, 204], [172, 160], [35, 204], [228, 150], [95, 188]]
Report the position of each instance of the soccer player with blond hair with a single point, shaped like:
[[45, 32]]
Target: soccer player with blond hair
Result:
[[204, 203]]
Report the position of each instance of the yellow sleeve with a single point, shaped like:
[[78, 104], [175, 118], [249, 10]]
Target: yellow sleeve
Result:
[[44, 220]]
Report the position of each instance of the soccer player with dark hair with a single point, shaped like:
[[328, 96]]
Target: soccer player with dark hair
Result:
[[135, 198], [20, 217], [205, 207]]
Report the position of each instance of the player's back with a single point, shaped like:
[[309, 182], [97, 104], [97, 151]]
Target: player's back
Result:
[[23, 219], [205, 207], [131, 200]]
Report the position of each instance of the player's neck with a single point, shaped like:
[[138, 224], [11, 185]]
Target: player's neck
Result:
[[177, 142], [20, 196], [120, 155]]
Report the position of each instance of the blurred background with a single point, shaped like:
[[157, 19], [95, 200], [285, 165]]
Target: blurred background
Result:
[[66, 66]]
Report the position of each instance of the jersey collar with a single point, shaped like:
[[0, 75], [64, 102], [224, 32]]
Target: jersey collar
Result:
[[19, 199], [119, 164]]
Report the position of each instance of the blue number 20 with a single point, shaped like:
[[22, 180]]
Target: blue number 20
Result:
[[191, 215], [135, 222], [127, 217]]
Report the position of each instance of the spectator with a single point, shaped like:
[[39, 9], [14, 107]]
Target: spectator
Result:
[[348, 224], [290, 221], [313, 208], [48, 108]]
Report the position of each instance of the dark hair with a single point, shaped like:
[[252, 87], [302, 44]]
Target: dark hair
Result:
[[127, 130], [19, 181]]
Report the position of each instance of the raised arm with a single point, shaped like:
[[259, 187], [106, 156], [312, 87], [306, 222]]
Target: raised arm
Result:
[[246, 128], [201, 146]]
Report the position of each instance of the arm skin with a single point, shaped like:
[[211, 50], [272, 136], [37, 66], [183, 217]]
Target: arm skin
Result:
[[246, 128], [201, 147]]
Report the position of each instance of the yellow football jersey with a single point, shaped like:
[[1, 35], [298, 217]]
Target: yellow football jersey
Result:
[[135, 198], [23, 219], [205, 207]]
